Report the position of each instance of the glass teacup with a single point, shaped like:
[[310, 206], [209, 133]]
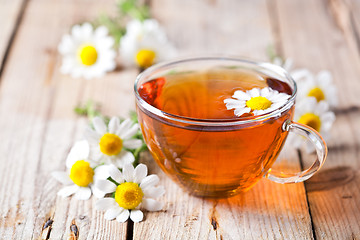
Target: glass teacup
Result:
[[203, 146]]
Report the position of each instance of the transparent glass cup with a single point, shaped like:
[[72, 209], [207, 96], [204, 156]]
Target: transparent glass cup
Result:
[[222, 157]]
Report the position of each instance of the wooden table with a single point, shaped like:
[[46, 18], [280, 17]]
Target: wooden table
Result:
[[38, 126]]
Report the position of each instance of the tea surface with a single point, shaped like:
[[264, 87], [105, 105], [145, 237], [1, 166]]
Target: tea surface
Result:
[[202, 95]]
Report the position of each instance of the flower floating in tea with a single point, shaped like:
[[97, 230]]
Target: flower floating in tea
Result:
[[87, 52], [110, 144], [144, 44], [131, 190], [256, 101], [80, 175], [319, 87]]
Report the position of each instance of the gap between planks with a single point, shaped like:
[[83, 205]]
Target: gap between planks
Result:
[[17, 24]]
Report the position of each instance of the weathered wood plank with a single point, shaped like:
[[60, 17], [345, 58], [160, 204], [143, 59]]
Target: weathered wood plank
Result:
[[10, 12], [317, 40], [269, 210], [39, 127], [216, 27]]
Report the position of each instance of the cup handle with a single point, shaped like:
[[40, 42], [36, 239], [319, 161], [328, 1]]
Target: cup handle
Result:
[[321, 153]]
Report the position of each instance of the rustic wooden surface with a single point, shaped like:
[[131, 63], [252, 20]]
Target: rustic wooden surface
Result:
[[38, 125]]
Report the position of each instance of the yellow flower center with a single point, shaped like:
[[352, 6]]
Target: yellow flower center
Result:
[[145, 58], [110, 144], [81, 173], [258, 103], [317, 93], [128, 195], [311, 120], [88, 55]]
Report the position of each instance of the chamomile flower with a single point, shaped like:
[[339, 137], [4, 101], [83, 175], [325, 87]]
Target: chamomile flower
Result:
[[87, 52], [315, 115], [80, 174], [108, 144], [132, 190], [144, 44], [319, 87], [256, 101]]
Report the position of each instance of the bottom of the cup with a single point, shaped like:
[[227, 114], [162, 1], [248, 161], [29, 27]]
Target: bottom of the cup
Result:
[[215, 195], [214, 191]]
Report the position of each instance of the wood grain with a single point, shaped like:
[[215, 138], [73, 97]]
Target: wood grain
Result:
[[11, 12], [333, 193], [216, 27]]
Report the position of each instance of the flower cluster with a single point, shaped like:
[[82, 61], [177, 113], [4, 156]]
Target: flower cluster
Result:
[[316, 97], [102, 165], [90, 52]]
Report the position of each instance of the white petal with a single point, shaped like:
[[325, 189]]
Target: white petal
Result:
[[255, 92], [299, 74], [140, 173], [328, 117], [62, 177], [128, 172], [83, 193], [99, 125], [232, 103], [240, 111], [105, 204], [92, 136], [154, 192], [131, 132], [265, 92], [114, 125], [280, 97], [97, 192], [258, 112], [132, 143], [105, 186], [321, 108], [151, 205], [124, 126], [101, 31], [327, 121], [76, 31], [66, 45], [101, 172], [80, 151], [241, 95], [149, 181], [123, 216], [86, 29], [277, 61], [96, 155], [68, 190], [288, 64], [136, 215], [112, 213], [124, 157], [324, 77], [115, 173]]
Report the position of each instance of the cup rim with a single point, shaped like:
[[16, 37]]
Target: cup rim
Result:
[[214, 122]]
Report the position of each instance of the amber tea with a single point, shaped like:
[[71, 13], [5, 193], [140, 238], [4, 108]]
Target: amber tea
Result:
[[198, 142]]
